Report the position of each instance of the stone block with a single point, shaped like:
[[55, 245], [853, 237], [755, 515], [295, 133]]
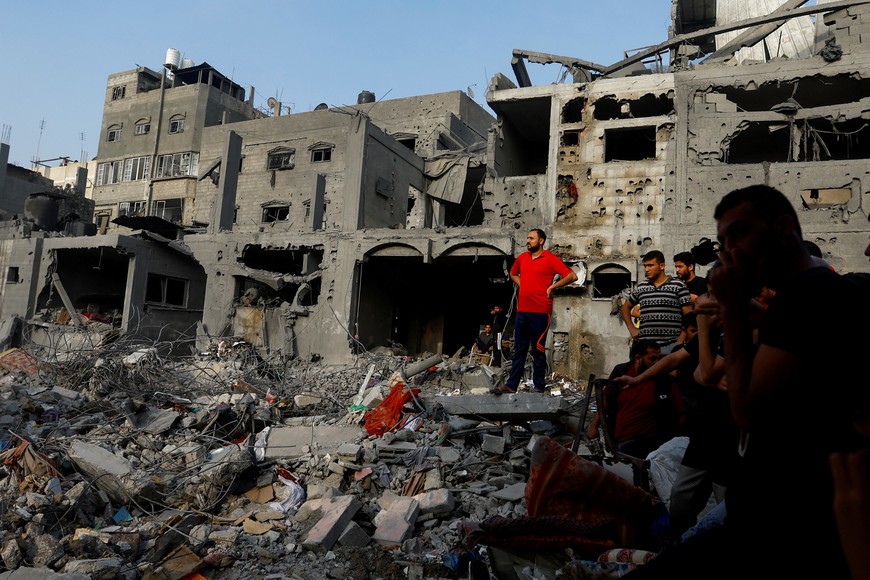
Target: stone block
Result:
[[439, 501], [354, 535], [337, 513], [392, 530]]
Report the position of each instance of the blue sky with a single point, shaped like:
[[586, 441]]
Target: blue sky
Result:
[[58, 55]]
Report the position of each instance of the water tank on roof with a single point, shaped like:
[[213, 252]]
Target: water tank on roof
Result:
[[173, 58], [365, 97], [321, 107], [187, 63]]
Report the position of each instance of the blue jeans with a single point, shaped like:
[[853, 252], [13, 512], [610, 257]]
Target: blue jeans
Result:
[[530, 328]]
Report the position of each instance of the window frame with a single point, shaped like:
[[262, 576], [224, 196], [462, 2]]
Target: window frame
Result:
[[164, 281], [109, 172], [113, 134], [142, 127], [137, 168], [183, 164], [176, 124], [287, 157], [131, 208], [275, 213], [119, 92]]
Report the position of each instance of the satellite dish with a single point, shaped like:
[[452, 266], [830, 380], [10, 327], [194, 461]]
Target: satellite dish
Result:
[[469, 91]]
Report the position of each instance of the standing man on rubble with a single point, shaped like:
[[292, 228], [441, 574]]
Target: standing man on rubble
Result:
[[534, 273]]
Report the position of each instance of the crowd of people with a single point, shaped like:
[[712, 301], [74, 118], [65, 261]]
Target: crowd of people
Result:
[[745, 359]]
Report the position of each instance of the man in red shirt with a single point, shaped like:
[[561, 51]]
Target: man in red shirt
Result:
[[642, 416], [534, 272]]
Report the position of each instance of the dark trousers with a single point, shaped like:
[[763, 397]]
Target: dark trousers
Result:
[[530, 329]]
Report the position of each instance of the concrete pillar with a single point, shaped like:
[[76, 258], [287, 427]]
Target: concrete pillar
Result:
[[224, 207]]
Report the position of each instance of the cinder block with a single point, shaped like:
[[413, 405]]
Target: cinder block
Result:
[[406, 507], [354, 535], [337, 513], [439, 501], [392, 530], [492, 444]]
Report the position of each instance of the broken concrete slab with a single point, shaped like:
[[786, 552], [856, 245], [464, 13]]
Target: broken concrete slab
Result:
[[111, 473], [522, 406], [292, 442], [514, 492], [337, 513]]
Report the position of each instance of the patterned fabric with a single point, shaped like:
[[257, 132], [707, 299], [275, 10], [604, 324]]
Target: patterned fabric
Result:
[[565, 484], [627, 555], [661, 312]]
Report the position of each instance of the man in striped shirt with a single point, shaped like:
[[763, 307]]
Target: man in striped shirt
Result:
[[663, 302]]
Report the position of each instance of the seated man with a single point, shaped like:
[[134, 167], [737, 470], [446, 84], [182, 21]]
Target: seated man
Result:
[[644, 416], [485, 341]]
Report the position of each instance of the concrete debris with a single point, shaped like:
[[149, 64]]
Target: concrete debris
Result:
[[119, 463]]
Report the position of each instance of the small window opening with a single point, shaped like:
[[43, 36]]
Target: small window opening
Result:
[[276, 213], [609, 280]]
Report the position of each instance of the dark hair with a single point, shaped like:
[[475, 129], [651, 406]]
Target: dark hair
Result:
[[654, 255], [690, 319], [813, 249], [540, 233], [641, 345], [769, 204], [685, 257]]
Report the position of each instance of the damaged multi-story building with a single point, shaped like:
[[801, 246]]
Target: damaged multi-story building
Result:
[[394, 222]]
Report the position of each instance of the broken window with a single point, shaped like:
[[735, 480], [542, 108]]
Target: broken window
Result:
[[630, 144], [109, 172], [176, 124], [166, 290], [136, 168], [12, 274], [118, 92], [649, 105], [817, 139], [131, 208], [808, 92], [275, 213], [177, 164], [608, 280], [570, 138], [572, 112], [143, 127], [281, 159], [113, 133]]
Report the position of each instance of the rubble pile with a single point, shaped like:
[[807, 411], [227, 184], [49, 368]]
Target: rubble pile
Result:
[[119, 462]]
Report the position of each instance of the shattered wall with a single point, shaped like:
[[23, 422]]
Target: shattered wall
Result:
[[639, 163]]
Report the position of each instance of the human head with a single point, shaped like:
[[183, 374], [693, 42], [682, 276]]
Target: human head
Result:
[[684, 264], [690, 325], [487, 328], [653, 265], [645, 353], [813, 248], [761, 223], [535, 239]]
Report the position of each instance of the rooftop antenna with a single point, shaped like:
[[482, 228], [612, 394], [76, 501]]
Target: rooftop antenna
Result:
[[82, 153], [39, 141]]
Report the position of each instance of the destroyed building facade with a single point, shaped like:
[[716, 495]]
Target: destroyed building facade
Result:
[[394, 222]]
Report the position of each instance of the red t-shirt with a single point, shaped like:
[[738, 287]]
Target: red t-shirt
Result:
[[636, 416], [536, 275]]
